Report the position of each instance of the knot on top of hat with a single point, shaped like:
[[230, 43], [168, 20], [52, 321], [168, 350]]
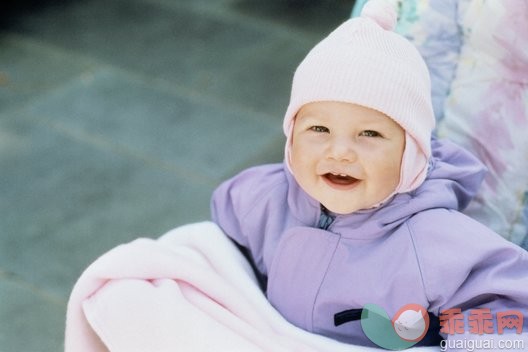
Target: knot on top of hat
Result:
[[382, 12]]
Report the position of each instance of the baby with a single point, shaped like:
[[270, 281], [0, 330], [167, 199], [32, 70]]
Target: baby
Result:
[[365, 208]]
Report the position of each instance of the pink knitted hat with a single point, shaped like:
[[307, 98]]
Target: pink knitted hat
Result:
[[364, 62]]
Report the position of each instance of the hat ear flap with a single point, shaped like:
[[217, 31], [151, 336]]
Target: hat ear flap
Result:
[[414, 166], [288, 130]]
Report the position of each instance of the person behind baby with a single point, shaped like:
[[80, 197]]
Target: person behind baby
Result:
[[365, 208]]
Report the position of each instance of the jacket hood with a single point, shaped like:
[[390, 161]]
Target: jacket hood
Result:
[[453, 179]]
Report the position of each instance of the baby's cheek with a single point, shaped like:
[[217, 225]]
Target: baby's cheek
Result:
[[390, 173]]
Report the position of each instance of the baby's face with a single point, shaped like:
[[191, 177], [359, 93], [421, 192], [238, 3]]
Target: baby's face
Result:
[[346, 156]]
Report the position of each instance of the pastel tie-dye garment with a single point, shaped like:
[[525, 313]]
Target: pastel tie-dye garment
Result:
[[477, 52]]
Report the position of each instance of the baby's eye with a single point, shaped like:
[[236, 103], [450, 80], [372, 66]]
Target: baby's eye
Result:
[[319, 129], [370, 133]]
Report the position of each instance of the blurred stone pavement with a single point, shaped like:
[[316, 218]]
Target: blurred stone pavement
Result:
[[117, 120]]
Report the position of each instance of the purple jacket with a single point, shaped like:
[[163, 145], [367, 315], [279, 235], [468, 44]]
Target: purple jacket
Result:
[[417, 248]]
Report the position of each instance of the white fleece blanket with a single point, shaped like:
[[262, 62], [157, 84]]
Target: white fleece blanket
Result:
[[190, 290]]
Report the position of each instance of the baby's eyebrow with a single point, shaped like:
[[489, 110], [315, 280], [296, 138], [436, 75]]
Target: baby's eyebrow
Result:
[[310, 119]]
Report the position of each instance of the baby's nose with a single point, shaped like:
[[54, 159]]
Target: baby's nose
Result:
[[342, 149]]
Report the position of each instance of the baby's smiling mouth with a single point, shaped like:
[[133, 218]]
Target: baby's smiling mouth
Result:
[[339, 179]]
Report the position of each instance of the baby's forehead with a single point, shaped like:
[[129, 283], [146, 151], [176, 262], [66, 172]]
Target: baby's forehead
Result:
[[342, 113]]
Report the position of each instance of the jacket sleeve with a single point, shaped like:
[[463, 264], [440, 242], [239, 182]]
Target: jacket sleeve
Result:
[[242, 205], [465, 266], [229, 206]]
